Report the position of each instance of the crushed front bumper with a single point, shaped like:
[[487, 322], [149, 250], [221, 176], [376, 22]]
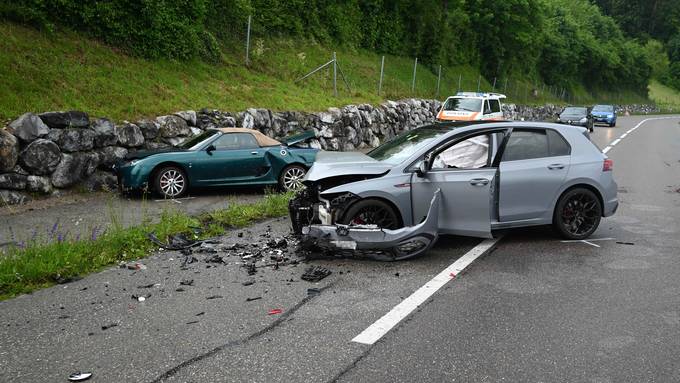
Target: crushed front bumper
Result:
[[370, 241]]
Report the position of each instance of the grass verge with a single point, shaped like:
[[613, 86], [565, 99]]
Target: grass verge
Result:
[[43, 264], [668, 99]]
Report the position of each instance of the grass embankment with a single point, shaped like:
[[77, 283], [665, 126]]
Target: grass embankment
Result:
[[668, 99], [44, 262], [65, 71]]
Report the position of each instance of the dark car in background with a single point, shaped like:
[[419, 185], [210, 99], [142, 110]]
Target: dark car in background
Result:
[[604, 114], [577, 115]]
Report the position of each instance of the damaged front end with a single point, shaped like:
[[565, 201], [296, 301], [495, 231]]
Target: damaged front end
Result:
[[366, 241]]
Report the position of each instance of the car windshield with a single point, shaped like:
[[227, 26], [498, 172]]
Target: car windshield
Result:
[[195, 142], [404, 145], [464, 104], [603, 108], [575, 111]]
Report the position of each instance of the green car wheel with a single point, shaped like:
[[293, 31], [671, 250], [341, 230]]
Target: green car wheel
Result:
[[291, 177], [171, 182]]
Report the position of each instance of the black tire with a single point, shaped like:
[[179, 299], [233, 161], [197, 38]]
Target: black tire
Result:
[[170, 182], [372, 212], [291, 176], [577, 214], [612, 125]]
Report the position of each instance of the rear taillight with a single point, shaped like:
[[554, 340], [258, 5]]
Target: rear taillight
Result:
[[608, 165]]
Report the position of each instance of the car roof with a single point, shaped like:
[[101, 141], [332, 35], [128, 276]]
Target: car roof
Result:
[[262, 139], [462, 126]]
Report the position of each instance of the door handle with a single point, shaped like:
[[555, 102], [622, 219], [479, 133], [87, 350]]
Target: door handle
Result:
[[253, 152], [555, 166], [479, 181]]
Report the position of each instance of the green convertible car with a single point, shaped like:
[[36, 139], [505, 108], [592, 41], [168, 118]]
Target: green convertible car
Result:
[[218, 157]]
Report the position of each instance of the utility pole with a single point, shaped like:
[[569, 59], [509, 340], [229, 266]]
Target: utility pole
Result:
[[382, 68], [248, 41], [439, 78], [335, 75], [413, 84]]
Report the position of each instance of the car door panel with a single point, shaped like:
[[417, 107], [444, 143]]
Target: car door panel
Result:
[[466, 199]]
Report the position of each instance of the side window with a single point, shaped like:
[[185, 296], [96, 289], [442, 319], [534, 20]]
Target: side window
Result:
[[471, 153], [557, 145], [236, 141], [526, 144], [487, 107], [495, 106]]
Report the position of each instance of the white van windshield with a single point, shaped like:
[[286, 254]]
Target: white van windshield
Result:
[[464, 104]]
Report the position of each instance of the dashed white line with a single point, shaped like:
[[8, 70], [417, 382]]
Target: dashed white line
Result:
[[383, 325], [631, 130]]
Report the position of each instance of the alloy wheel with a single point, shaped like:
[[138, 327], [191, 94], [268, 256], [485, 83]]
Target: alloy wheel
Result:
[[292, 178], [580, 214], [172, 183], [375, 215]]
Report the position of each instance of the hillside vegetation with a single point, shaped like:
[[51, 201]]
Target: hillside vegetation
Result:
[[127, 59]]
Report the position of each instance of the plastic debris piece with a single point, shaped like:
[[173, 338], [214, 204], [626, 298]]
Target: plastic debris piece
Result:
[[313, 291], [148, 286], [315, 274], [214, 297], [192, 322], [452, 275], [214, 259], [251, 268], [252, 299], [396, 274], [79, 376], [201, 313], [140, 298], [179, 289], [274, 311], [625, 243], [248, 283], [108, 326], [186, 282], [175, 242], [277, 243]]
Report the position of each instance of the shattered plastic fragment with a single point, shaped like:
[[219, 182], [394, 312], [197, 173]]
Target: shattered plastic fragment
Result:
[[214, 297], [186, 282], [313, 291], [252, 299], [274, 311], [248, 283], [625, 243], [315, 274], [108, 326], [79, 376]]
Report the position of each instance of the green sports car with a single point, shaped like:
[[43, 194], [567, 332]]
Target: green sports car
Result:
[[218, 157]]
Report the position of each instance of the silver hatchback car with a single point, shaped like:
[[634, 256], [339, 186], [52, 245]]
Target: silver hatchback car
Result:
[[467, 179]]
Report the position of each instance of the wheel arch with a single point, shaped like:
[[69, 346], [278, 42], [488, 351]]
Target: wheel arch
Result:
[[590, 187], [161, 165], [378, 198]]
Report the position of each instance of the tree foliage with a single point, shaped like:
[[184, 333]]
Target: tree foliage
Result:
[[557, 41]]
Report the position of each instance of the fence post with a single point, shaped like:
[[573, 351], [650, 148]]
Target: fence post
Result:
[[505, 87], [335, 75], [493, 87], [413, 84], [382, 68], [439, 78], [479, 82], [460, 78], [248, 41]]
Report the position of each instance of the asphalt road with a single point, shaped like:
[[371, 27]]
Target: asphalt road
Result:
[[534, 309]]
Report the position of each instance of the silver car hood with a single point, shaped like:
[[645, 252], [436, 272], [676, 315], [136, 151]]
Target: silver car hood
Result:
[[332, 164]]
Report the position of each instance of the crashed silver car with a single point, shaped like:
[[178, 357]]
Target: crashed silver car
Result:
[[459, 178]]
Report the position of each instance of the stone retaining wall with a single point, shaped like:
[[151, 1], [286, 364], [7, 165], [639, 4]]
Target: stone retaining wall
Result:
[[42, 153]]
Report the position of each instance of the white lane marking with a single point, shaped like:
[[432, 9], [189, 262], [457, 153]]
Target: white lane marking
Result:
[[383, 325], [631, 130], [590, 241]]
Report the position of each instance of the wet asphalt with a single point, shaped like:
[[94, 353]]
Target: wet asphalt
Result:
[[534, 309]]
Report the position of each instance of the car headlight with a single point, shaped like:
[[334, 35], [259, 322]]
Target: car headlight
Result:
[[132, 162], [583, 120], [610, 115]]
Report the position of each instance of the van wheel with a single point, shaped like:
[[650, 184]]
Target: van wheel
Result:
[[577, 214]]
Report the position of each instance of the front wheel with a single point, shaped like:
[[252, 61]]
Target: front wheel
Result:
[[171, 182], [577, 214], [291, 178], [372, 212]]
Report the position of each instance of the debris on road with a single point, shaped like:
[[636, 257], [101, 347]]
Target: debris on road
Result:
[[141, 298], [214, 297], [192, 322], [186, 282], [201, 313], [214, 259], [625, 243], [148, 286], [315, 274], [313, 291], [108, 326], [252, 299], [133, 266], [79, 376], [274, 311], [248, 283], [175, 242]]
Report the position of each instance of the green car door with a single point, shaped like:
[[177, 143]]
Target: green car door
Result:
[[231, 158]]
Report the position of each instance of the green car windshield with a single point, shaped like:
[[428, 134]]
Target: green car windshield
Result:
[[404, 145], [195, 142]]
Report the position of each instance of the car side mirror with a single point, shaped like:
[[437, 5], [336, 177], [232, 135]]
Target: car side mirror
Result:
[[421, 171], [210, 149]]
